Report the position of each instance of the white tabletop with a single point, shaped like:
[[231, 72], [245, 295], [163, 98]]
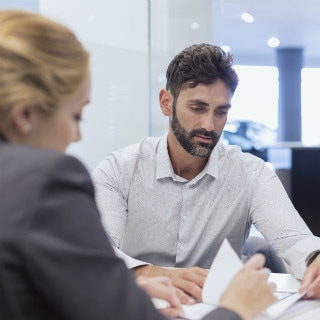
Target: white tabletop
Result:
[[286, 283], [300, 310]]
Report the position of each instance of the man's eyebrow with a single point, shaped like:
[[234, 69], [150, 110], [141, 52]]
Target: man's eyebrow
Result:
[[198, 102], [205, 104], [224, 106]]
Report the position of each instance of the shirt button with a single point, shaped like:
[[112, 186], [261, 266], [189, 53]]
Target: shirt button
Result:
[[184, 218], [181, 247]]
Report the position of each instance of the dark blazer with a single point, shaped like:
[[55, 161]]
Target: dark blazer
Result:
[[56, 261]]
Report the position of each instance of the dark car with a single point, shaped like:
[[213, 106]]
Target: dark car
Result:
[[246, 145], [254, 131]]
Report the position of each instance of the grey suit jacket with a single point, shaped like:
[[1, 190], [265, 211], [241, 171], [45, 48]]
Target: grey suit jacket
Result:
[[56, 261]]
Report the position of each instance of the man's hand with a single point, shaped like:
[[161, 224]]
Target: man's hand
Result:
[[311, 280], [249, 293], [187, 281], [162, 288]]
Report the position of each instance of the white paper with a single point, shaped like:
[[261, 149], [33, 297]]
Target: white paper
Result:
[[303, 309], [225, 265], [196, 311], [278, 308], [286, 283]]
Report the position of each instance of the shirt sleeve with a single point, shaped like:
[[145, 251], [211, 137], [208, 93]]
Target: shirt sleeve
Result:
[[274, 215], [68, 258], [110, 183], [129, 261]]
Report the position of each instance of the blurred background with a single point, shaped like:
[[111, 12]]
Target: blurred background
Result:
[[276, 48]]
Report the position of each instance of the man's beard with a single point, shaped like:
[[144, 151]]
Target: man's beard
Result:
[[198, 149]]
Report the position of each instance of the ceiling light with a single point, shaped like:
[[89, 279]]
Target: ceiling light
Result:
[[247, 17], [226, 48], [195, 26], [273, 42]]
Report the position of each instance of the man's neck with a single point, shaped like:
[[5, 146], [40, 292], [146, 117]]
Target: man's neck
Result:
[[184, 164]]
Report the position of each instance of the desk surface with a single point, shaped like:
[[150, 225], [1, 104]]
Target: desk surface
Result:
[[301, 310]]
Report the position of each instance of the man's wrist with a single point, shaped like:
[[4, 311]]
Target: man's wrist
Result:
[[144, 270]]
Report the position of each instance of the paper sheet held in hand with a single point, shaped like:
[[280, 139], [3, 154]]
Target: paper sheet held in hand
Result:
[[225, 265]]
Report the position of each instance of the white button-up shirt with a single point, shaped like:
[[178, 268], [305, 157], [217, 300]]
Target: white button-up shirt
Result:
[[156, 216]]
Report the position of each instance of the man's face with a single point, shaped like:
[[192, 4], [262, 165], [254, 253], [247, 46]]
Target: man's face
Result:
[[199, 115]]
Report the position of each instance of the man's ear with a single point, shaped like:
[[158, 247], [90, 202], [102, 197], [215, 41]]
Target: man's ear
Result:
[[22, 119], [166, 101]]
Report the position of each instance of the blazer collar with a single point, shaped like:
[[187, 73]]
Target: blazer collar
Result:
[[2, 138]]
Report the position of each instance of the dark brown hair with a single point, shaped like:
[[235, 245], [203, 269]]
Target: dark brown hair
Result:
[[200, 63]]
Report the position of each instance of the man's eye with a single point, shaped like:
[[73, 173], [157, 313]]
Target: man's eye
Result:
[[197, 109], [221, 112]]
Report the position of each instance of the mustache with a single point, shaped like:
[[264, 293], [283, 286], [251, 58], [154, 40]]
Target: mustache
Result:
[[204, 132]]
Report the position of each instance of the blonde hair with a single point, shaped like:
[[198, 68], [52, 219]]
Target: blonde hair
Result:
[[41, 62]]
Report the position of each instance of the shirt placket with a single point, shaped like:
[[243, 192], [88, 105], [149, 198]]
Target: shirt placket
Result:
[[184, 225]]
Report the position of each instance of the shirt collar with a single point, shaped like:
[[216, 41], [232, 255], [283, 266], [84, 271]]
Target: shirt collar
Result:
[[164, 167]]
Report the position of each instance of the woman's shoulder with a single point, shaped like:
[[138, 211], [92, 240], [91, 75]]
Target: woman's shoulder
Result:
[[39, 161]]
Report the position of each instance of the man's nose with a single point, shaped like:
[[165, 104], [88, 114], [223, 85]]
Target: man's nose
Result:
[[208, 123]]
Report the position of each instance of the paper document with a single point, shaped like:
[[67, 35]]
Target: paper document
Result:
[[286, 283], [225, 265], [278, 308]]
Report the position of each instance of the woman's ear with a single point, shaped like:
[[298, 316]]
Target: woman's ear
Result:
[[22, 119], [166, 101]]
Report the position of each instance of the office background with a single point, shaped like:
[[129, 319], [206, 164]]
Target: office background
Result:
[[131, 43]]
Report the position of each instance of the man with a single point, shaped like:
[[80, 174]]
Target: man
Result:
[[171, 201]]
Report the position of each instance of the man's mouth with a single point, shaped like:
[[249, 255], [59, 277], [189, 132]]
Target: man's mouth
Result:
[[203, 138]]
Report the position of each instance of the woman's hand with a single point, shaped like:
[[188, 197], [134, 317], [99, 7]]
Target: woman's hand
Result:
[[249, 293], [162, 288]]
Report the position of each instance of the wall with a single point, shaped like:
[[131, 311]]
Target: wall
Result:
[[31, 5], [116, 34]]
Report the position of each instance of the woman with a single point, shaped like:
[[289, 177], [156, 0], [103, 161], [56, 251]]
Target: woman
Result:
[[56, 261]]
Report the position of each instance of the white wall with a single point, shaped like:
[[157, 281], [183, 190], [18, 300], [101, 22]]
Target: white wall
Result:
[[30, 5], [116, 34]]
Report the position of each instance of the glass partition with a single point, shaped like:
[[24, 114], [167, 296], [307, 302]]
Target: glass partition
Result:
[[174, 25]]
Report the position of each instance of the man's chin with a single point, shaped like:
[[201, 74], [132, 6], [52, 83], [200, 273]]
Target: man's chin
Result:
[[207, 146], [202, 151]]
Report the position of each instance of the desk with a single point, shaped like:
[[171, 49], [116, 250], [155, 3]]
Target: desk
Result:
[[301, 310]]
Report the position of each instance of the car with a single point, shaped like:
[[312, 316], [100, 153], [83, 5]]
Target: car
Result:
[[246, 145], [254, 131]]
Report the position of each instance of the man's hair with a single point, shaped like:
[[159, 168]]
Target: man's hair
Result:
[[200, 63]]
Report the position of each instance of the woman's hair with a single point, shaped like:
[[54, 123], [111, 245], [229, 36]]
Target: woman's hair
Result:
[[200, 63], [41, 62]]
